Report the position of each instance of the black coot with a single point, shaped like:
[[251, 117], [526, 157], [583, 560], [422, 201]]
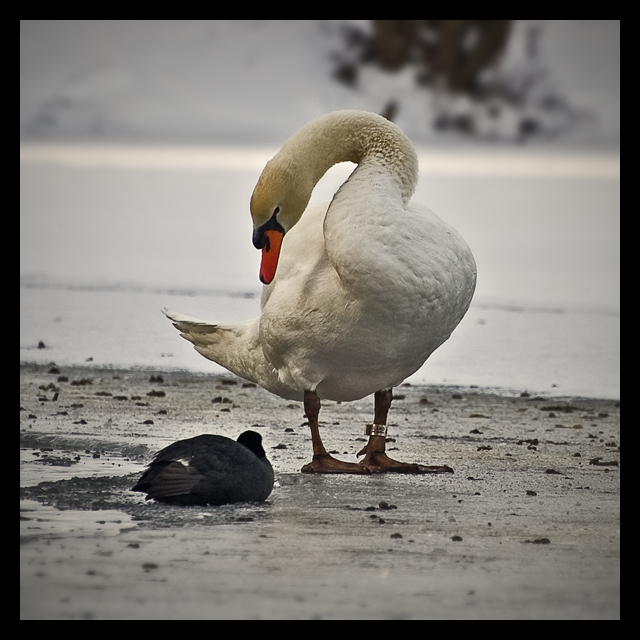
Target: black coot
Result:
[[209, 469]]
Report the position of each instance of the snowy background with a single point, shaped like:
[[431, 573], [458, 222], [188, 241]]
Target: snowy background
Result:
[[141, 142]]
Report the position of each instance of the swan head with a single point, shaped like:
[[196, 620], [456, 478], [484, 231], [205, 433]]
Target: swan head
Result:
[[278, 201]]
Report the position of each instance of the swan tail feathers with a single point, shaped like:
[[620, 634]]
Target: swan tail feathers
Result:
[[233, 345], [190, 326]]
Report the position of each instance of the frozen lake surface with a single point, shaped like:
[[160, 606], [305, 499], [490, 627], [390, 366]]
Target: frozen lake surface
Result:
[[110, 234]]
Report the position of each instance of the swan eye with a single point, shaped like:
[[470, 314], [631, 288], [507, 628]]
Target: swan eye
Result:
[[276, 211], [259, 237]]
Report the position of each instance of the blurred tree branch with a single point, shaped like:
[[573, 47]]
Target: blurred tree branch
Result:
[[458, 60]]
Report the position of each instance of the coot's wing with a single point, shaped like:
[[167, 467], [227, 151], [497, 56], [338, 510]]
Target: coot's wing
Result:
[[166, 479]]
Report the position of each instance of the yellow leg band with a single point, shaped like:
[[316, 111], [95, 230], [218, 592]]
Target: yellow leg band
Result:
[[373, 429]]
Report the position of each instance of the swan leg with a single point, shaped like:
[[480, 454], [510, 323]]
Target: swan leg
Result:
[[322, 461], [375, 458]]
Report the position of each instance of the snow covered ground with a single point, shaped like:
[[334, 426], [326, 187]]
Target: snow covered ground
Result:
[[141, 142]]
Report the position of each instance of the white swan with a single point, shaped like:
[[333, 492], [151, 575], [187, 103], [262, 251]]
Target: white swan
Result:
[[358, 292]]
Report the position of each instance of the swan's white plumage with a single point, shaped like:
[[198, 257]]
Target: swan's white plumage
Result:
[[366, 287]]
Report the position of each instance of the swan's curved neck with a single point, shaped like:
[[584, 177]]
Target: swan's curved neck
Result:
[[356, 136]]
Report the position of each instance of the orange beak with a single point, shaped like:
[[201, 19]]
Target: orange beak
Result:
[[270, 254]]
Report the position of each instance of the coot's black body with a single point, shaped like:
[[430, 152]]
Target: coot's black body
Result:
[[210, 470]]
